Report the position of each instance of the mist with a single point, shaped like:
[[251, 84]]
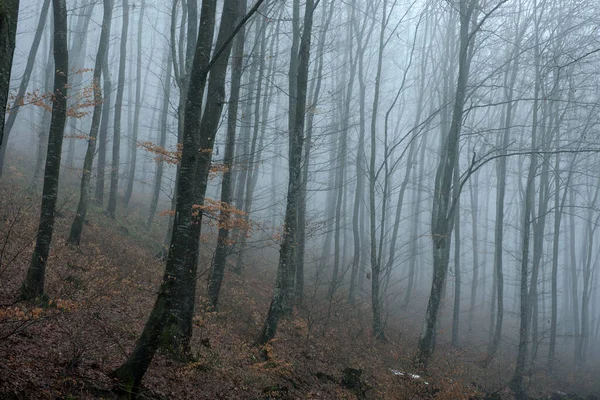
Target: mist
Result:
[[417, 177]]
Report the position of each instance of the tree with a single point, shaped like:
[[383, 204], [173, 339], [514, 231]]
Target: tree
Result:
[[158, 176], [285, 272], [116, 149], [168, 303], [138, 107], [510, 79], [33, 286], [77, 53], [9, 15], [103, 133], [78, 221], [26, 74], [444, 200], [45, 123], [223, 245]]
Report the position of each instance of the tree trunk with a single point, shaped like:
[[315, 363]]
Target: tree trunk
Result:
[[444, 205], [116, 148], [45, 123], [9, 15], [77, 55], [77, 225], [103, 133], [253, 157], [474, 191], [315, 91], [377, 324], [283, 284], [223, 244], [162, 140], [8, 20], [457, 282], [138, 107], [167, 308], [516, 383], [33, 286]]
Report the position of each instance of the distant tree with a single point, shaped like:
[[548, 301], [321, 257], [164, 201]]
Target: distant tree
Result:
[[78, 221], [103, 132], [12, 117], [33, 286], [444, 199], [223, 245], [45, 122], [116, 150], [284, 289], [77, 56], [158, 176], [138, 107]]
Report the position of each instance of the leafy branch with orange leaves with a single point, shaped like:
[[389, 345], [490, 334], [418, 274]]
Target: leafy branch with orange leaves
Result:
[[81, 102], [237, 219]]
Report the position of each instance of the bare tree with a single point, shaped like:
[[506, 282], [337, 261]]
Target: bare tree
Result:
[[78, 221], [285, 270], [116, 148], [12, 117], [33, 286], [9, 15]]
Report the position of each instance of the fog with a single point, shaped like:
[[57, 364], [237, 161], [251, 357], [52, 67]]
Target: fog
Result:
[[436, 162]]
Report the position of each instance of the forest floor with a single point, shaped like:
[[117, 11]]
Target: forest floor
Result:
[[101, 294]]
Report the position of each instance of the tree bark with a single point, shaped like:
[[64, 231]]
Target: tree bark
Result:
[[162, 140], [78, 221], [8, 25], [138, 107], [33, 286], [45, 123], [116, 148], [167, 308], [223, 245], [9, 16], [283, 283], [77, 55], [444, 205]]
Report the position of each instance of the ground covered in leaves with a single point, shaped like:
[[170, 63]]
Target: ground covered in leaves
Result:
[[99, 296]]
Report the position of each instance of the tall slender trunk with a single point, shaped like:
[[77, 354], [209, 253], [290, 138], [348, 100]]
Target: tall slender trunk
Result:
[[162, 140], [77, 53], [181, 330], [516, 383], [315, 94], [377, 324], [284, 285], [9, 16], [574, 273], [45, 123], [457, 269], [182, 64], [184, 256], [253, 157], [474, 192], [33, 286], [444, 203], [116, 148], [415, 225], [223, 241], [78, 221], [103, 133], [340, 178], [138, 107], [9, 29]]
